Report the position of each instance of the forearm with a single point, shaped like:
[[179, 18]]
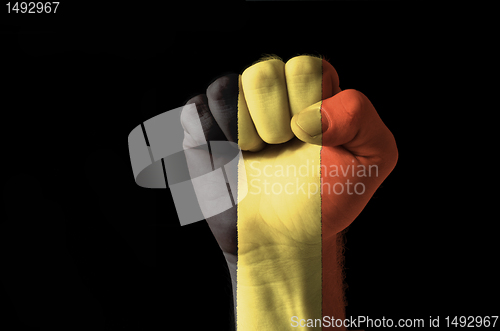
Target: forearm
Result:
[[273, 290], [298, 283]]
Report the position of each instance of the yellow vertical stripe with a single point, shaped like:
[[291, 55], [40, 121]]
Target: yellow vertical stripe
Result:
[[279, 220]]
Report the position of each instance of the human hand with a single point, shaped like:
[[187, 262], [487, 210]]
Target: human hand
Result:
[[313, 156]]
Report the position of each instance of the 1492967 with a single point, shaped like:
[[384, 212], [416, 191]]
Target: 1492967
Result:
[[32, 7], [471, 321]]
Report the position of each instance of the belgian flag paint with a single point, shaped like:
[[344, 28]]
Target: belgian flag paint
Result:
[[313, 155], [312, 150]]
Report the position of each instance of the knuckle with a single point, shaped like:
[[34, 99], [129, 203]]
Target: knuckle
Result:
[[198, 100], [354, 102], [224, 87], [263, 74], [303, 65]]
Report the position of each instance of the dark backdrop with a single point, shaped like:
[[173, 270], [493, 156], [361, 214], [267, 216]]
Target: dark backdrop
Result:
[[83, 246]]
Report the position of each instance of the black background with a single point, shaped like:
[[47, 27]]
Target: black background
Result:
[[82, 246]]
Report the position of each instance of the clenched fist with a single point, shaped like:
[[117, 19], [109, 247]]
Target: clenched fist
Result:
[[313, 155]]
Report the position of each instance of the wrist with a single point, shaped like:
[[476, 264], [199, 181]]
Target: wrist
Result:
[[286, 283]]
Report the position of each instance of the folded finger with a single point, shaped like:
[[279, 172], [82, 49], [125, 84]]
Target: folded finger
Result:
[[222, 97], [266, 96], [303, 81], [191, 116], [248, 138]]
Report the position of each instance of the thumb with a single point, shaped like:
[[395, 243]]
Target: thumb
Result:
[[307, 125], [347, 119]]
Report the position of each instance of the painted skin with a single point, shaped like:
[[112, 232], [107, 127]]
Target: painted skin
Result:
[[280, 240]]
